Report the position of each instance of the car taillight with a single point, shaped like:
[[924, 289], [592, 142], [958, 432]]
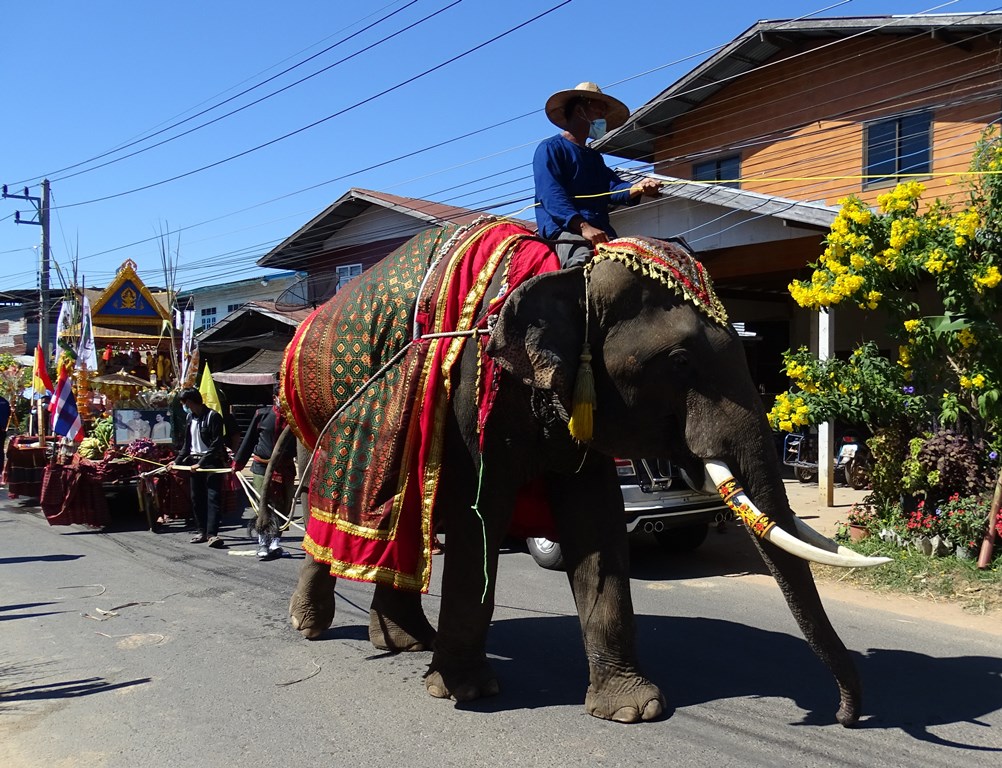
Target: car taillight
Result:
[[625, 468]]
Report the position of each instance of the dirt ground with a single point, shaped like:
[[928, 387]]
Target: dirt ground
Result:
[[806, 502]]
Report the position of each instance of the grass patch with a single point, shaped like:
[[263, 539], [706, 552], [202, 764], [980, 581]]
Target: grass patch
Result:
[[943, 579]]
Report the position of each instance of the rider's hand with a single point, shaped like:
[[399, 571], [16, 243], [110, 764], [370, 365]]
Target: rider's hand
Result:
[[593, 235], [649, 187]]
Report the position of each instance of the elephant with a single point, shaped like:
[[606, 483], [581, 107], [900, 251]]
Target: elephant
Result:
[[633, 354]]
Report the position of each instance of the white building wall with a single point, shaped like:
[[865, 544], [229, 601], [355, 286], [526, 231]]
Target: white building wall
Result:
[[213, 303]]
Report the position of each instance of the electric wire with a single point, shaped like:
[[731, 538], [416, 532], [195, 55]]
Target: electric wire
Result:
[[8, 217], [340, 112], [148, 135]]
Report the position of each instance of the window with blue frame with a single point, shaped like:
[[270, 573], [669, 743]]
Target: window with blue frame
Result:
[[723, 169], [208, 317], [900, 145]]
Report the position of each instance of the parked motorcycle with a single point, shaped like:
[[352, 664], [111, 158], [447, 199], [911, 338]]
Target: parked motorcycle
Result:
[[852, 461]]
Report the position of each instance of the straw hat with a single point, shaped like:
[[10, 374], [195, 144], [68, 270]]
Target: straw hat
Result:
[[617, 114]]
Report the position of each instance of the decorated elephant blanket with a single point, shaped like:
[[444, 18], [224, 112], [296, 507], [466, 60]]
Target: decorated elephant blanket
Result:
[[377, 464]]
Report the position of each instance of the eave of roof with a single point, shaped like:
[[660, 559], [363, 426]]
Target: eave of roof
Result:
[[309, 238], [759, 43], [806, 214]]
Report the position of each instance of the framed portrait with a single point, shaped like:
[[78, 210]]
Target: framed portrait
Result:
[[133, 424]]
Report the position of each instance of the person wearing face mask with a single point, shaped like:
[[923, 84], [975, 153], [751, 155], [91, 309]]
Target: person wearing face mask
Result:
[[202, 449], [567, 171]]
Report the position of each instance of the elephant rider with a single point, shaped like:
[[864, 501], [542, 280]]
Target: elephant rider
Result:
[[257, 446], [572, 180]]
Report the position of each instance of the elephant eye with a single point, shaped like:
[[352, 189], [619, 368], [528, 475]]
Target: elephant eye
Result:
[[679, 361]]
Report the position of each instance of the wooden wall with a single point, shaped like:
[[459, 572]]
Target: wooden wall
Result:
[[803, 115]]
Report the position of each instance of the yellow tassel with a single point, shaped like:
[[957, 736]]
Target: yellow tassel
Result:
[[582, 416]]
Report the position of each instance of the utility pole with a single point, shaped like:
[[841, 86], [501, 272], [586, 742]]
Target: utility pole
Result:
[[41, 219]]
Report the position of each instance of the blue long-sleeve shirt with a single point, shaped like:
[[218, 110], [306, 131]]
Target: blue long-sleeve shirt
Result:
[[562, 170]]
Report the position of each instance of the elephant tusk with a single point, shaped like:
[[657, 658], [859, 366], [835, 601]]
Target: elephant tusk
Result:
[[817, 548]]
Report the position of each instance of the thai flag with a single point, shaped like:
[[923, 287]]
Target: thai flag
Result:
[[65, 417]]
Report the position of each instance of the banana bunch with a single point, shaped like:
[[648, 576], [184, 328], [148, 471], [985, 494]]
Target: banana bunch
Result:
[[103, 432], [90, 448]]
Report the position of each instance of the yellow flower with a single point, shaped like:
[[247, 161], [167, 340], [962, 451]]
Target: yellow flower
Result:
[[912, 325], [987, 279], [904, 357], [966, 338], [978, 381]]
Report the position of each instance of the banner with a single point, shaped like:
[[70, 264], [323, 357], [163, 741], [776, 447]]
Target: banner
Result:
[[65, 416], [86, 352], [65, 320], [189, 347]]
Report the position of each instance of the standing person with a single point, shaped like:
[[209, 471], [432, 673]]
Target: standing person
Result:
[[257, 446], [572, 180], [4, 421], [202, 449]]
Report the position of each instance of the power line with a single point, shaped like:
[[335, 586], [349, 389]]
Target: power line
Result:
[[340, 112], [146, 136], [366, 49]]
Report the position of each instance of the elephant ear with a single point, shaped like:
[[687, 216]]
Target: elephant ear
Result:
[[540, 330]]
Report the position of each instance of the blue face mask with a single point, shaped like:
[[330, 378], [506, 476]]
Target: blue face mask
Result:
[[597, 129], [186, 409]]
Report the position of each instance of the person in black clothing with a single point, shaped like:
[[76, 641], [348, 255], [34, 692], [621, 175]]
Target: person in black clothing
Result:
[[203, 448], [257, 447]]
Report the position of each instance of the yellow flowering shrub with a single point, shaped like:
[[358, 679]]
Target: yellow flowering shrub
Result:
[[878, 258]]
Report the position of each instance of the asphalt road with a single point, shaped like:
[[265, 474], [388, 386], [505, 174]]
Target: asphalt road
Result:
[[127, 648]]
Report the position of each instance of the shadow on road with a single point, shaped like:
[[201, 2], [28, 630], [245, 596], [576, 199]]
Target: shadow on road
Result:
[[66, 690], [38, 559], [903, 689]]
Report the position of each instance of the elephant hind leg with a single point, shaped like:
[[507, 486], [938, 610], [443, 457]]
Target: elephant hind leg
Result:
[[311, 609], [397, 623]]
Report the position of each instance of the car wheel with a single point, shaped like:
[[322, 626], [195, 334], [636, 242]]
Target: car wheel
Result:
[[683, 539], [805, 474], [546, 553]]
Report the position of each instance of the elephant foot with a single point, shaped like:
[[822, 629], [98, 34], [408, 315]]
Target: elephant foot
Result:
[[397, 623], [462, 684], [848, 710], [625, 700], [311, 609]]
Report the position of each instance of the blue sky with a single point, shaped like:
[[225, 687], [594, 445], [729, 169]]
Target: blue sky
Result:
[[84, 79]]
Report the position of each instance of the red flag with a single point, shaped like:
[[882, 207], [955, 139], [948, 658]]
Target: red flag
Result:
[[40, 381]]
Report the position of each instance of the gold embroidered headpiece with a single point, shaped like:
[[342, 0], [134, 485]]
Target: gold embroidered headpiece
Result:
[[670, 264]]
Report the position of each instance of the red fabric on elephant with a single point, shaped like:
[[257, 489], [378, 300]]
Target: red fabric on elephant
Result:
[[376, 469]]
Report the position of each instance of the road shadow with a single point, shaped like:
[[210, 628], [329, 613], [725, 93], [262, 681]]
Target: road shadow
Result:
[[67, 689], [904, 690], [38, 559]]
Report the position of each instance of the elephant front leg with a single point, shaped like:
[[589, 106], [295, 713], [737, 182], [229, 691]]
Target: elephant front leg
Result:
[[397, 623], [311, 609], [596, 551]]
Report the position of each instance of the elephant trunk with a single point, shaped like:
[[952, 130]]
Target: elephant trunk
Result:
[[783, 553]]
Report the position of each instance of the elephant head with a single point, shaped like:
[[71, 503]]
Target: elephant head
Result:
[[671, 380]]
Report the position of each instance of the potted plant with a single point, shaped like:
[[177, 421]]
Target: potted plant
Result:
[[859, 519]]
